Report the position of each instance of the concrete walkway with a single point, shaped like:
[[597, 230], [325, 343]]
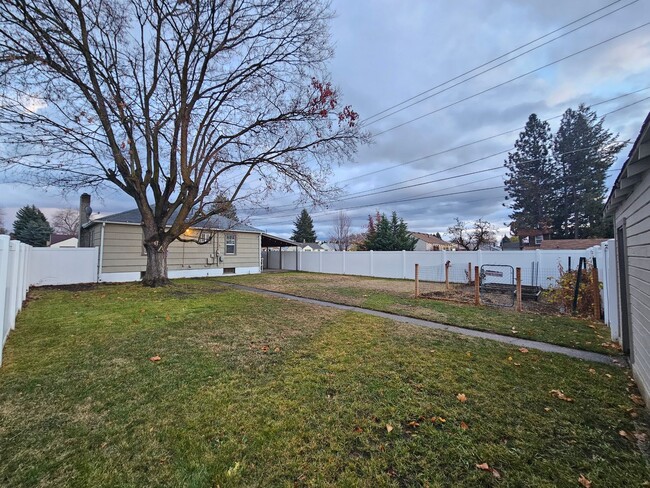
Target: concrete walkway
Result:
[[513, 341]]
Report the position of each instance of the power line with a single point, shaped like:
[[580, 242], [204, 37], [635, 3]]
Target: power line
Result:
[[482, 92], [495, 136], [372, 191], [367, 123]]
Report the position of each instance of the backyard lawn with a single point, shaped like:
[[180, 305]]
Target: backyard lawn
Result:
[[396, 296], [257, 391]]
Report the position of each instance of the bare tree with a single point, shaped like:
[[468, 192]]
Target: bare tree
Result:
[[472, 238], [66, 221], [341, 231], [173, 102]]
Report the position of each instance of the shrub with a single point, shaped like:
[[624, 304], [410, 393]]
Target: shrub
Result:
[[563, 291]]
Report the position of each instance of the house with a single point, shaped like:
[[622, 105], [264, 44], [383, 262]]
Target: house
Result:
[[308, 246], [571, 244], [430, 242], [629, 206], [532, 238], [215, 247], [62, 240]]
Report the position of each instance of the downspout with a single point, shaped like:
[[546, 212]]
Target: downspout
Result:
[[100, 261]]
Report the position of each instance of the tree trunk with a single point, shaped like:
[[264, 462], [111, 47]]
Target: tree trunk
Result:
[[156, 273]]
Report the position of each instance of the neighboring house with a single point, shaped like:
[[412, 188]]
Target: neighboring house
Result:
[[532, 238], [430, 242], [629, 205], [228, 247], [571, 244], [62, 240], [307, 246]]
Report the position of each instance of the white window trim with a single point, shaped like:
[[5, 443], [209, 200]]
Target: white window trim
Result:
[[539, 240], [234, 253]]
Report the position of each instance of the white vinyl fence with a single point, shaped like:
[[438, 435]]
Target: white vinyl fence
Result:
[[539, 267], [14, 284], [22, 266]]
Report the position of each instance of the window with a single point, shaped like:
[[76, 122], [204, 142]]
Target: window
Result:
[[538, 240], [204, 237], [231, 244]]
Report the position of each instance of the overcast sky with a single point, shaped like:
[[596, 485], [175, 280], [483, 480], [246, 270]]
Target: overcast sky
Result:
[[388, 51]]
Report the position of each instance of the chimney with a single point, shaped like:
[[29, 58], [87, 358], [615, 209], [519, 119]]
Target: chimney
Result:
[[84, 212]]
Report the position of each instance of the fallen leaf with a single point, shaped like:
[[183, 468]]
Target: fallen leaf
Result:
[[523, 350], [561, 396], [592, 370], [584, 481], [464, 426], [622, 433], [641, 436], [358, 429], [413, 423], [154, 358], [486, 467], [265, 348], [277, 349], [637, 399], [461, 397], [517, 364], [509, 358], [389, 428], [547, 409], [167, 317], [608, 375]]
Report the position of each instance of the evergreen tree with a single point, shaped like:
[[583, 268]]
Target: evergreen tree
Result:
[[31, 226], [304, 228], [388, 235], [530, 178], [584, 150], [438, 235]]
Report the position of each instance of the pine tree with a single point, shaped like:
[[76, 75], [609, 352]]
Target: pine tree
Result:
[[530, 177], [584, 150], [31, 226], [388, 235], [304, 228]]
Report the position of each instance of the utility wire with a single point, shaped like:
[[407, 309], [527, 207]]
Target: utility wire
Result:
[[476, 75], [494, 87]]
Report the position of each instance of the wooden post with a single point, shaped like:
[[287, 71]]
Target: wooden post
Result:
[[417, 280], [519, 307], [469, 273], [596, 292], [447, 265], [477, 286]]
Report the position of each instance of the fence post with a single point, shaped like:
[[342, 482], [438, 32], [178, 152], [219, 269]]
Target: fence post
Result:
[[320, 261], [538, 261], [519, 307], [595, 291], [4, 262], [477, 286], [12, 284], [371, 265], [469, 273], [447, 265], [343, 261], [417, 280], [403, 264]]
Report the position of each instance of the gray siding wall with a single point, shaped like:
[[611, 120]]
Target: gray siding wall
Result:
[[123, 251], [634, 216]]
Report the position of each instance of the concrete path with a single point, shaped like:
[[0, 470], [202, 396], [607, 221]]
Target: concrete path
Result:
[[513, 341]]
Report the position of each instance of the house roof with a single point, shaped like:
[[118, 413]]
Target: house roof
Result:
[[430, 238], [56, 238], [217, 222], [637, 163], [568, 244], [532, 232], [269, 240], [313, 245]]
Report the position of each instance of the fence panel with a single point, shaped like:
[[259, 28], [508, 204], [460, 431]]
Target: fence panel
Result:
[[52, 266]]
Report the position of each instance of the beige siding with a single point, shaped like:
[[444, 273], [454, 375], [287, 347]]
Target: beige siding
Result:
[[634, 215], [123, 251]]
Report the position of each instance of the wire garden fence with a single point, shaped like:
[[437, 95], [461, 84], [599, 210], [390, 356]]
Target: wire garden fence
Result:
[[503, 285]]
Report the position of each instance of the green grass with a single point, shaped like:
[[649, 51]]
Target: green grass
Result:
[[396, 296], [257, 391]]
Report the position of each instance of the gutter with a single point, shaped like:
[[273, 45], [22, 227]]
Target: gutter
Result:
[[100, 262]]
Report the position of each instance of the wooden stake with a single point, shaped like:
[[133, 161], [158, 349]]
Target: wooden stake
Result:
[[417, 280], [469, 273], [447, 265], [596, 292], [477, 286], [519, 306]]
